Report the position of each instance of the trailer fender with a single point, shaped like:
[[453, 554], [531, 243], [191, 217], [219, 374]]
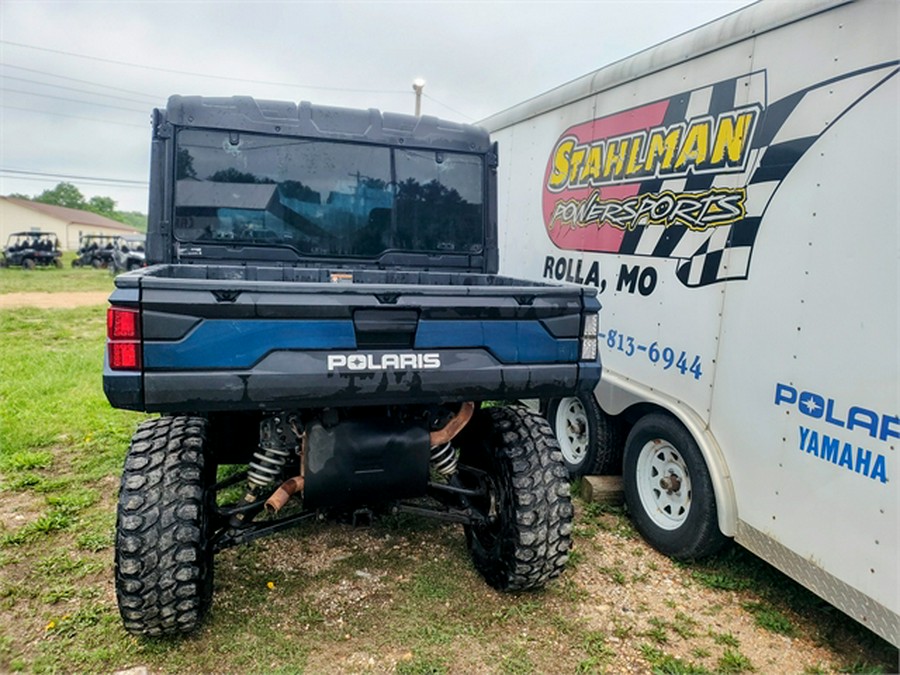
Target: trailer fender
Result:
[[617, 393]]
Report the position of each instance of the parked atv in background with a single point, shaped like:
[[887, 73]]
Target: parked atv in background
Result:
[[95, 250], [128, 254], [30, 249]]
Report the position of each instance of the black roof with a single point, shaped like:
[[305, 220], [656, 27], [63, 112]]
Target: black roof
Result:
[[286, 118]]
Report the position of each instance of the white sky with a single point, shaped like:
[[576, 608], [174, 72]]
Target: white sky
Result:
[[78, 79]]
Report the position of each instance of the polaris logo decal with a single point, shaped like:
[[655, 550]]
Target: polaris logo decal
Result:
[[375, 362]]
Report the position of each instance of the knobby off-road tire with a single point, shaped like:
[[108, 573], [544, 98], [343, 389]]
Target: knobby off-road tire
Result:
[[529, 542], [668, 489], [589, 439], [164, 565]]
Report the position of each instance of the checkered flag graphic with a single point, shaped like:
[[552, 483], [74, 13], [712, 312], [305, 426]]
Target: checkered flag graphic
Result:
[[787, 128]]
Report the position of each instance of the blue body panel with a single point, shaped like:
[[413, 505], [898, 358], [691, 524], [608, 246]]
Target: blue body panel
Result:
[[237, 344], [508, 341], [226, 343]]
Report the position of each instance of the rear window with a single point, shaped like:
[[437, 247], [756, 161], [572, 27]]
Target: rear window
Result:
[[326, 198]]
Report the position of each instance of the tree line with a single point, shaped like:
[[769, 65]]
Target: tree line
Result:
[[68, 195]]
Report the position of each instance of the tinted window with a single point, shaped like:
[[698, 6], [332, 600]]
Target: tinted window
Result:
[[325, 198]]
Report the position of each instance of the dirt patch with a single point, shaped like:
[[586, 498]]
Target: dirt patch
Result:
[[53, 300], [17, 509]]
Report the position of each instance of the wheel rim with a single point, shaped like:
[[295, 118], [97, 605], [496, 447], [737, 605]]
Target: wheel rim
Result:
[[664, 484], [572, 432], [489, 534]]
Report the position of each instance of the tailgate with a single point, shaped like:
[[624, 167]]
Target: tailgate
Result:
[[208, 344]]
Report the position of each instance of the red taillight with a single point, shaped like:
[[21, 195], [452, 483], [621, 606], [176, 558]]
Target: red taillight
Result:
[[125, 355], [123, 324], [123, 333]]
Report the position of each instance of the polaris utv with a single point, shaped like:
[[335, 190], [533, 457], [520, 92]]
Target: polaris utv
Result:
[[128, 254], [32, 249], [322, 308], [95, 250]]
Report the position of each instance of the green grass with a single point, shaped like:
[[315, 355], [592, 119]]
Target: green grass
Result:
[[422, 665], [597, 650], [51, 407], [616, 574], [684, 626], [61, 448], [768, 617], [431, 582], [734, 662], [25, 460], [608, 519], [516, 660], [661, 662], [52, 280], [726, 639]]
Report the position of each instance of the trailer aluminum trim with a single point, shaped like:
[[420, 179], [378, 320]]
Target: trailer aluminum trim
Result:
[[842, 595]]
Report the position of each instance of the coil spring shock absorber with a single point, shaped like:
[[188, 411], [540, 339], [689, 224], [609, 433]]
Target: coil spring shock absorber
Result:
[[444, 459], [276, 445], [278, 442]]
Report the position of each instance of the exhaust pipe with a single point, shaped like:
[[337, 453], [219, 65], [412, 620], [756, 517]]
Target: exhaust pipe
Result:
[[454, 426], [280, 497]]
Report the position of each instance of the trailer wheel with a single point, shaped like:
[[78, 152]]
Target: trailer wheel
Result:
[[668, 489], [164, 565], [588, 438], [28, 263], [526, 542]]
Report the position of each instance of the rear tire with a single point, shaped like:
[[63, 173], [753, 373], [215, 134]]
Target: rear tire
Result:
[[28, 263], [589, 439], [528, 541], [164, 562], [668, 489]]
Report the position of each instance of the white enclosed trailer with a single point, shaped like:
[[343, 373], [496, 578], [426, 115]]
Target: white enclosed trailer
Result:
[[733, 195]]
